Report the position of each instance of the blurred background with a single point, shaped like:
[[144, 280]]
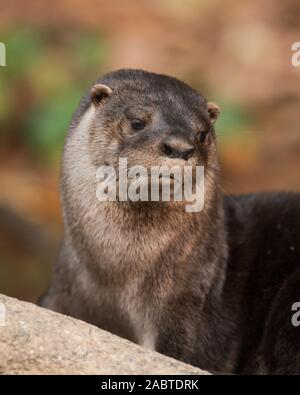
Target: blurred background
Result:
[[235, 53]]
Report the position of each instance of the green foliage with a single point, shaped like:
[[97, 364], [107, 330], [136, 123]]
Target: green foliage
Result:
[[46, 74], [234, 119], [48, 123], [23, 47]]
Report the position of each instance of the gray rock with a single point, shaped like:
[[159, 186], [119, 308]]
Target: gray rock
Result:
[[34, 340]]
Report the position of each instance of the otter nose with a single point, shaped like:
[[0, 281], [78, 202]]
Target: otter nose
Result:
[[176, 148]]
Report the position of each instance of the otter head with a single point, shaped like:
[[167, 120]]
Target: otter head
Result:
[[151, 120]]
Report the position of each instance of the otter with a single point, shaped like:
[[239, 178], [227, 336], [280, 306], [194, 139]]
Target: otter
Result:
[[213, 288]]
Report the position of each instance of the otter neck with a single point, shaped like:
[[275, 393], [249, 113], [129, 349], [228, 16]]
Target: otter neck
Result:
[[163, 241]]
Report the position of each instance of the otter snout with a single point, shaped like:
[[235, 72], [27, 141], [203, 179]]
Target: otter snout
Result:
[[177, 147]]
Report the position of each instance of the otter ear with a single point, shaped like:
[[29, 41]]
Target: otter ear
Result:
[[213, 110], [100, 93]]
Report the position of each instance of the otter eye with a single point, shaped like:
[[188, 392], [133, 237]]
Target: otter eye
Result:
[[202, 136], [137, 124]]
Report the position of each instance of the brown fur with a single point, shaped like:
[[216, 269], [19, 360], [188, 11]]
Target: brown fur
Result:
[[173, 281]]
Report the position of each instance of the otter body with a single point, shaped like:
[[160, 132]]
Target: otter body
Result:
[[212, 288]]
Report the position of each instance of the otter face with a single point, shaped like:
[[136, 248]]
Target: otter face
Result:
[[151, 120]]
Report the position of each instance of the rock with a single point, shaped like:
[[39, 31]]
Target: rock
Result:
[[34, 340]]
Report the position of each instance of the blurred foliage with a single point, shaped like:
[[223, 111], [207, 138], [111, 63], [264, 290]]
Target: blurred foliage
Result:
[[48, 69], [46, 73], [234, 119]]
